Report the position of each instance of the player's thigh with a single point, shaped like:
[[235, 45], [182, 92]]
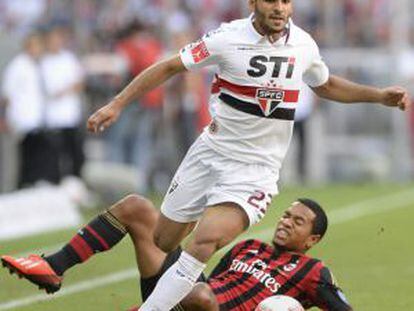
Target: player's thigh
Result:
[[149, 259], [139, 216], [169, 233], [148, 256], [219, 225]]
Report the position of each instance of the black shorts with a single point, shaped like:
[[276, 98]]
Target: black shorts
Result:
[[148, 284]]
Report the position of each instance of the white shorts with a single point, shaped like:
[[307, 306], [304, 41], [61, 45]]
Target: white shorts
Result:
[[206, 178]]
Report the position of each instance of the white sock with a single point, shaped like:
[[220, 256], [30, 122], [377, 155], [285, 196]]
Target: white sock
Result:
[[176, 283]]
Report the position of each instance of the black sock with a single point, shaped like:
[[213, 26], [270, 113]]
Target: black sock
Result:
[[100, 235]]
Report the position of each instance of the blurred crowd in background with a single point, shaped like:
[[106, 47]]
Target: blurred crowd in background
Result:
[[99, 22], [76, 54]]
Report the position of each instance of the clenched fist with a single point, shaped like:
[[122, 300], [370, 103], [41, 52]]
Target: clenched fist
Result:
[[396, 97]]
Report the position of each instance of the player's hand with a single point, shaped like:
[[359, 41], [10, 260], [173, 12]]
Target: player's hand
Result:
[[396, 97], [104, 117]]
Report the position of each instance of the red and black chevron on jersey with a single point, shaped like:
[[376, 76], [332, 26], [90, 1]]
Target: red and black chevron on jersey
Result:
[[257, 88], [253, 271]]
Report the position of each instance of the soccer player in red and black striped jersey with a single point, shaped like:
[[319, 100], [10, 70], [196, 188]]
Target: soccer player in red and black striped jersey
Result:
[[250, 272], [254, 270]]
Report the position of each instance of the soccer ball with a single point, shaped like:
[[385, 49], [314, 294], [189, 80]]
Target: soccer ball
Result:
[[279, 303]]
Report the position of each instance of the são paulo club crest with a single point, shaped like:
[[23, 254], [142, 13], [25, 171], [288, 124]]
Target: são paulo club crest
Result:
[[269, 99]]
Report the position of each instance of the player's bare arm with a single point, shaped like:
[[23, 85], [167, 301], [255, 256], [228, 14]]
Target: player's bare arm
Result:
[[345, 91], [148, 80]]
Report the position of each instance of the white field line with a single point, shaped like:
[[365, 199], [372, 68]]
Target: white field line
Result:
[[350, 211], [368, 207]]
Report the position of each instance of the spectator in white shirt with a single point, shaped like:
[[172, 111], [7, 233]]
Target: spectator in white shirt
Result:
[[23, 91], [63, 77]]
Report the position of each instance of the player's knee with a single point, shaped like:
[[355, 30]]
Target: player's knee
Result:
[[135, 208], [201, 298], [204, 296]]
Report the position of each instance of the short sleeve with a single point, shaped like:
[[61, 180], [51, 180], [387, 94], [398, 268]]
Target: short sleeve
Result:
[[317, 72], [204, 52]]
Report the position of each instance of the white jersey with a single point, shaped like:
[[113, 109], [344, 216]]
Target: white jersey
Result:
[[257, 87], [61, 71], [22, 87]]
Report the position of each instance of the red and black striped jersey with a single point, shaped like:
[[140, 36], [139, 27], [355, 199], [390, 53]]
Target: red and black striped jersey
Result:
[[252, 271]]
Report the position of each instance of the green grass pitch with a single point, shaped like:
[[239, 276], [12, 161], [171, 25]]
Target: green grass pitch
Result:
[[369, 247]]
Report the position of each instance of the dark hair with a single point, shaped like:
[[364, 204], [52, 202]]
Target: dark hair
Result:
[[131, 28], [320, 223]]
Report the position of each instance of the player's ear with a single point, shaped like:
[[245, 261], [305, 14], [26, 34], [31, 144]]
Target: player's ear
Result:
[[312, 240]]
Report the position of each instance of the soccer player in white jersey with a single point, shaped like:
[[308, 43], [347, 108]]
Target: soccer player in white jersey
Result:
[[228, 177]]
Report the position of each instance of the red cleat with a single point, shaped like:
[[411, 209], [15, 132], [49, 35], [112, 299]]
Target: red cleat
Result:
[[35, 269], [134, 308]]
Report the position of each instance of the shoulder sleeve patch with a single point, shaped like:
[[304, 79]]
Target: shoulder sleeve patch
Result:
[[200, 52]]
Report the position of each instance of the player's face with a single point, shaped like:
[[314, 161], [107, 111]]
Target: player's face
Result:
[[34, 46], [272, 15], [294, 230], [55, 40]]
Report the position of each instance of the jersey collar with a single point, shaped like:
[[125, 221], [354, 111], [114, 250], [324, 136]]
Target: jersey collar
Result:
[[255, 36]]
